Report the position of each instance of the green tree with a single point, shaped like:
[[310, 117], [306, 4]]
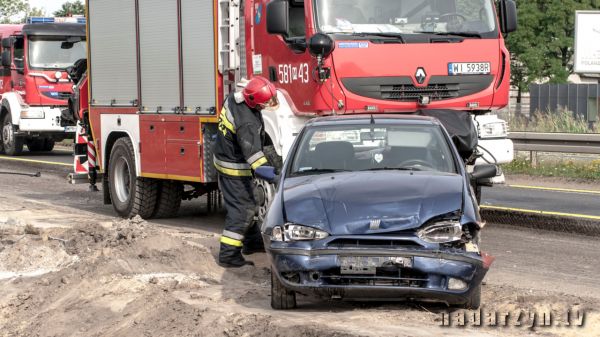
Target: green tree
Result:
[[543, 46], [71, 8], [11, 8], [35, 11]]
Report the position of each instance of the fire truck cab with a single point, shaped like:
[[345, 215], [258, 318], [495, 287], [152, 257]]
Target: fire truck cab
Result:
[[34, 84]]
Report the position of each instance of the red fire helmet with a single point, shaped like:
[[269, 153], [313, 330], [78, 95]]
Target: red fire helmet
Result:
[[259, 91]]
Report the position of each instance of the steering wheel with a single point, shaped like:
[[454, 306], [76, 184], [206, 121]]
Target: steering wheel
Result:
[[454, 20], [415, 162]]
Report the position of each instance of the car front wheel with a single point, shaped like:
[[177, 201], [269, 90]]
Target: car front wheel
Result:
[[281, 298]]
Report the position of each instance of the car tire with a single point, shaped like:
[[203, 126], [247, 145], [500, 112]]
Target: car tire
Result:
[[13, 145], [168, 199], [474, 300], [281, 298], [130, 195]]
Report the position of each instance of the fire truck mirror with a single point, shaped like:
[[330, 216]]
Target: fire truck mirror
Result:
[[6, 61], [321, 45], [508, 16], [278, 20], [7, 43]]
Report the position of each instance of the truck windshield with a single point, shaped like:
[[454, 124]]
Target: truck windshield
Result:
[[469, 18], [47, 52], [373, 148]]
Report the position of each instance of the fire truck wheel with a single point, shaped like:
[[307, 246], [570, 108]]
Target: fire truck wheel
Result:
[[13, 145], [35, 145], [131, 195], [168, 199], [48, 144]]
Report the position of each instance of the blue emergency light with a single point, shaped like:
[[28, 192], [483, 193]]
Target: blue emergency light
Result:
[[39, 19]]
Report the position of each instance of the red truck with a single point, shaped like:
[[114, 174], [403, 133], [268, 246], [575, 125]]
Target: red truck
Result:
[[159, 72], [34, 86]]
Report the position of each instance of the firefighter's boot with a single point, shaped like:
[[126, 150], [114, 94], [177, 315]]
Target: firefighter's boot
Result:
[[253, 242], [231, 257]]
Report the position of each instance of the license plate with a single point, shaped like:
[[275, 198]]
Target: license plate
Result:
[[367, 265], [70, 128], [469, 68]]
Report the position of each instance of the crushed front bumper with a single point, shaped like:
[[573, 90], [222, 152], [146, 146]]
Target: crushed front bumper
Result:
[[319, 272]]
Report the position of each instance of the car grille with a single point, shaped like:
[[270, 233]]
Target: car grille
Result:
[[370, 243]]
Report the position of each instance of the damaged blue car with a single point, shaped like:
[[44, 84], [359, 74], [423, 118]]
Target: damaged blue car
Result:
[[375, 208]]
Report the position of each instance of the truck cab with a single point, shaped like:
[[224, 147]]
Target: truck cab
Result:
[[34, 84], [386, 56]]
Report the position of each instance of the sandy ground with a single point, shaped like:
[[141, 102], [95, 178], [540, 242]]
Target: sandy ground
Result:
[[69, 268]]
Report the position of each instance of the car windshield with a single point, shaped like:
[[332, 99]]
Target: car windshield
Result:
[[55, 52], [469, 17], [328, 149]]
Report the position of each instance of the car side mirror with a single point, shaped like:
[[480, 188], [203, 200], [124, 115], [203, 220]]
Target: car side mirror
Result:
[[484, 172], [6, 60], [278, 20], [508, 16], [267, 173]]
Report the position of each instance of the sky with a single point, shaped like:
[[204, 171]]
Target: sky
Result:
[[49, 5]]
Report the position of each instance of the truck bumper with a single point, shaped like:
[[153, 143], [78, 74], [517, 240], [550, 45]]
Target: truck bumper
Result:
[[502, 149], [50, 123]]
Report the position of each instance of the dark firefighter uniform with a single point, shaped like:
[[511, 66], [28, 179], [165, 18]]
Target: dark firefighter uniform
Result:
[[238, 151]]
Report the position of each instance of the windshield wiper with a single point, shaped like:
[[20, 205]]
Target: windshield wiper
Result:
[[397, 36], [393, 169], [460, 34]]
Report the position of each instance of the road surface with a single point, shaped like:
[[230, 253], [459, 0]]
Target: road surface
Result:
[[125, 287]]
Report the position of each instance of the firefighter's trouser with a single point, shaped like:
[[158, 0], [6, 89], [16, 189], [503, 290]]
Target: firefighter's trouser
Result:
[[238, 198]]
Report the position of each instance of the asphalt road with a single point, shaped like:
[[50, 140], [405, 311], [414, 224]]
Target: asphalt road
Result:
[[525, 258], [578, 202]]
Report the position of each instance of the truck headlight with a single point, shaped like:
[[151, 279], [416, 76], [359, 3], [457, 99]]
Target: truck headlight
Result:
[[493, 130], [29, 113], [294, 232], [441, 232]]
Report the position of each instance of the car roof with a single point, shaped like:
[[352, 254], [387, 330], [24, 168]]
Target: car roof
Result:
[[387, 119]]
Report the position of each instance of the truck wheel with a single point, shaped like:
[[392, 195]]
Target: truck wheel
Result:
[[168, 199], [474, 300], [281, 298], [35, 145], [13, 145], [131, 195], [48, 144]]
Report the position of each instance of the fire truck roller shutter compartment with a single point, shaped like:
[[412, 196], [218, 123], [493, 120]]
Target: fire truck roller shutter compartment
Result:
[[198, 56], [113, 65], [159, 55]]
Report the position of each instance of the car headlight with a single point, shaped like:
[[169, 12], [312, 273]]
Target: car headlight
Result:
[[441, 232], [493, 130], [294, 232]]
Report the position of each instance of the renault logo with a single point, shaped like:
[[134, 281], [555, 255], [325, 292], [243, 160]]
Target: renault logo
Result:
[[421, 75]]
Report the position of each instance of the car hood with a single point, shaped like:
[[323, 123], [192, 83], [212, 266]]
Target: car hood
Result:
[[346, 203]]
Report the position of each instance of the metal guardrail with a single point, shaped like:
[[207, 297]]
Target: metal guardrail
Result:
[[556, 142]]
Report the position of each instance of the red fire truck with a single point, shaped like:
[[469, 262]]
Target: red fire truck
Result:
[[34, 86], [159, 72]]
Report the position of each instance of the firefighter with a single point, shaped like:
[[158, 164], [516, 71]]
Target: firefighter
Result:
[[239, 151]]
